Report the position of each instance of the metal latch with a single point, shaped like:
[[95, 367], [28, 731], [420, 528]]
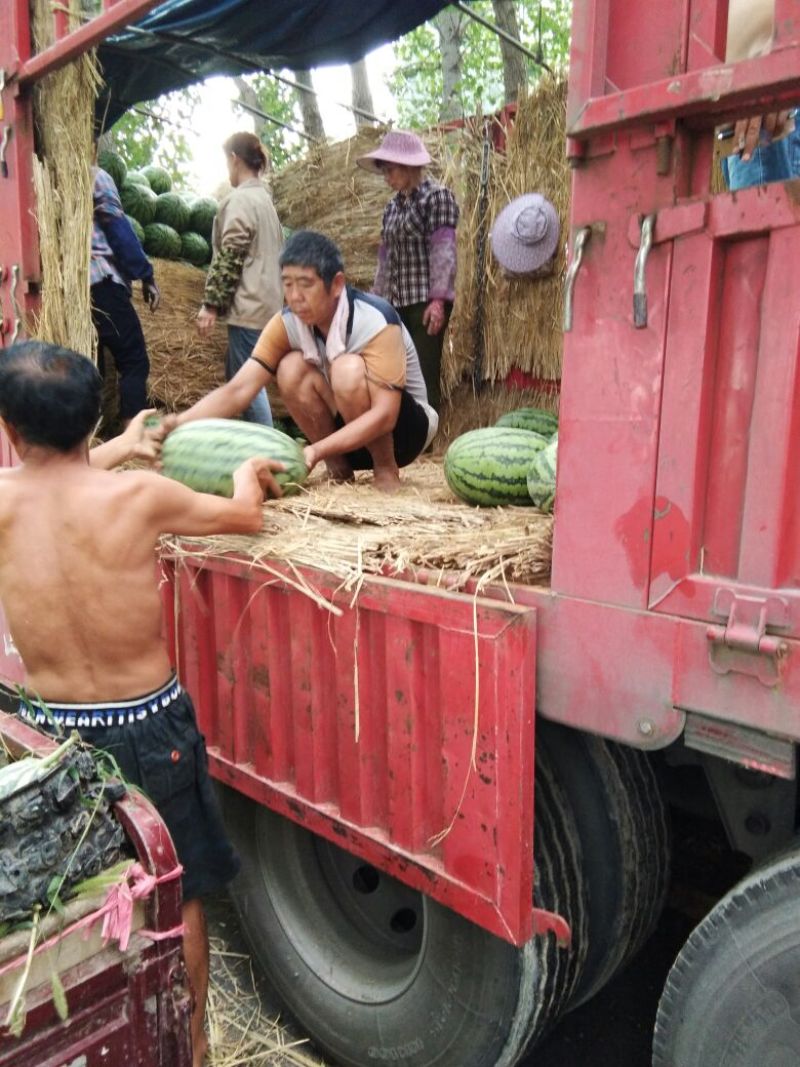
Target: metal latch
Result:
[[581, 237], [743, 644], [639, 277]]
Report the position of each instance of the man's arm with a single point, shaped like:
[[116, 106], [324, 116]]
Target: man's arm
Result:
[[177, 509], [135, 442]]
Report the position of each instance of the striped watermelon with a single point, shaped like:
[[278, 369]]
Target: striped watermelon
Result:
[[204, 454], [490, 466], [537, 419], [542, 476]]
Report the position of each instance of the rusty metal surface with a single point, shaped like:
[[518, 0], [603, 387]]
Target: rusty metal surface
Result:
[[401, 727]]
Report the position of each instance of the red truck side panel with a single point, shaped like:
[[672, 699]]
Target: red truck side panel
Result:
[[361, 724]]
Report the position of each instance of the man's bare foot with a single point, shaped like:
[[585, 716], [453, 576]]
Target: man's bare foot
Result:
[[387, 480], [339, 470]]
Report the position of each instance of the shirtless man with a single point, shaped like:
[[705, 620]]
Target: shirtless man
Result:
[[345, 365], [78, 586]]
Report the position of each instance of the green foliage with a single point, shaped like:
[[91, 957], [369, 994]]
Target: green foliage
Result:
[[153, 133], [544, 27]]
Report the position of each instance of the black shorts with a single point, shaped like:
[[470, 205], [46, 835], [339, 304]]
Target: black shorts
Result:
[[165, 755], [410, 434]]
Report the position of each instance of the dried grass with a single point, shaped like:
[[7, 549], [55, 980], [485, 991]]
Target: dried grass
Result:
[[239, 1032], [64, 106], [351, 530], [183, 365]]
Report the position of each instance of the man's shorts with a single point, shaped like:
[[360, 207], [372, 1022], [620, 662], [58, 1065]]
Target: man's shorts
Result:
[[410, 435], [158, 747]]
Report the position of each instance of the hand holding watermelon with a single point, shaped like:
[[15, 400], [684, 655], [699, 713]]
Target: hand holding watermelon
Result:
[[262, 471]]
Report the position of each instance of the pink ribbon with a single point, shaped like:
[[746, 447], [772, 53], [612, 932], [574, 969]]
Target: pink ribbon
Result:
[[116, 913]]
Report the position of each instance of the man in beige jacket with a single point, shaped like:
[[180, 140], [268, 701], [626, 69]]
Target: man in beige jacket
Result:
[[244, 282]]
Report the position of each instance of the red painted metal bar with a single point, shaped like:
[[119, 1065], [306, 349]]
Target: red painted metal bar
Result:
[[710, 94], [75, 43]]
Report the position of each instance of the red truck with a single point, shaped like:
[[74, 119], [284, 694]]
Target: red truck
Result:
[[544, 729]]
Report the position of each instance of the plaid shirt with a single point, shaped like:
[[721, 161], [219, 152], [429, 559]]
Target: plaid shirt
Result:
[[404, 260], [126, 259]]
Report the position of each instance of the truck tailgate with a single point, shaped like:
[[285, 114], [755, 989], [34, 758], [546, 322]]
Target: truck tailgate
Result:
[[394, 719]]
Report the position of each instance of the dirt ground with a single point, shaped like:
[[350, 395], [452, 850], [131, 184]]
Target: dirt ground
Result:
[[614, 1029]]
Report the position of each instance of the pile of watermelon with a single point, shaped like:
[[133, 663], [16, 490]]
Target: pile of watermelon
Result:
[[169, 224], [512, 462]]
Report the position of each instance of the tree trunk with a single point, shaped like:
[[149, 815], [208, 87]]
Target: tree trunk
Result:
[[312, 120], [450, 26], [515, 68], [361, 93], [249, 96]]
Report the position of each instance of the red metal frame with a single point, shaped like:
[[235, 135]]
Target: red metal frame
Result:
[[278, 679]]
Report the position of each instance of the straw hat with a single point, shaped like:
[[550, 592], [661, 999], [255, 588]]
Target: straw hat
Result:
[[525, 234], [398, 146]]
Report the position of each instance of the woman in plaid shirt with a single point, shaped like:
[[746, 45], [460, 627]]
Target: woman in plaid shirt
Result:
[[417, 255]]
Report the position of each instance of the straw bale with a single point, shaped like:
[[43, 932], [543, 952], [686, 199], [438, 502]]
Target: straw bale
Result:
[[63, 107], [326, 191], [351, 530], [521, 316]]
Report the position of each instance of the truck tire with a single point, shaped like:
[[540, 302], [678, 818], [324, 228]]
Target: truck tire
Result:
[[732, 998], [624, 833], [376, 972]]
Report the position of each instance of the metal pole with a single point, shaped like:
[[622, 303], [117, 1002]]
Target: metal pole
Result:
[[271, 118], [501, 33]]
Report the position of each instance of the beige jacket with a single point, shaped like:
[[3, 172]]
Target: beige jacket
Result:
[[247, 221]]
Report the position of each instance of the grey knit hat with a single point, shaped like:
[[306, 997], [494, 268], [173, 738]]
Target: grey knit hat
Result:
[[525, 234]]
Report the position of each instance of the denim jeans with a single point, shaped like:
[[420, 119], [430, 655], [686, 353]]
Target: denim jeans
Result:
[[773, 162], [241, 342]]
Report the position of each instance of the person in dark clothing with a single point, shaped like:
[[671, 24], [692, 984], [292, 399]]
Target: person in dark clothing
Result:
[[117, 260]]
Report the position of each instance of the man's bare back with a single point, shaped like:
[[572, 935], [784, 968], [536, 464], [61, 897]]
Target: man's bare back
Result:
[[79, 588]]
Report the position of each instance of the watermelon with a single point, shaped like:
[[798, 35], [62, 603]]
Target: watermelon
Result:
[[202, 219], [137, 177], [541, 476], [544, 422], [490, 466], [195, 248], [205, 453], [172, 211], [138, 201], [162, 241], [113, 163], [137, 228], [159, 179]]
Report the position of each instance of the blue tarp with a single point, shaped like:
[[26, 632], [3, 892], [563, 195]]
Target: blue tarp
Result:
[[184, 41]]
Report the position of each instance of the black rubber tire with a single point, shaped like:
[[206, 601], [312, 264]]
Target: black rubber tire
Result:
[[732, 998], [376, 972], [625, 843]]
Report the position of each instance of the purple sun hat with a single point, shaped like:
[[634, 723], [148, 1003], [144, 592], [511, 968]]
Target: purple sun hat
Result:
[[525, 234], [398, 146]]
